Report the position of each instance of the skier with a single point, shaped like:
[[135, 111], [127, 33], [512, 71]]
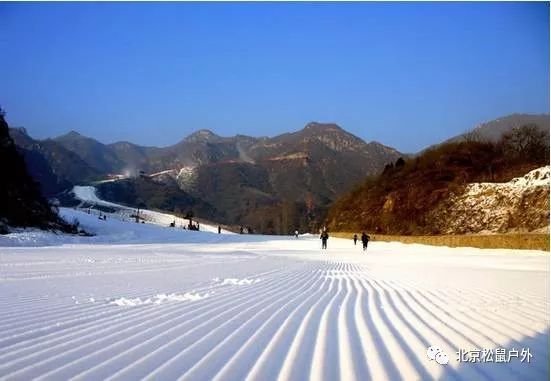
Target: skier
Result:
[[219, 229], [296, 233], [355, 239], [365, 240], [324, 237]]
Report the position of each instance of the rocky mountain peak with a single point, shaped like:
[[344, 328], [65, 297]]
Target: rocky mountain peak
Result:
[[201, 135], [332, 136], [71, 135], [316, 127]]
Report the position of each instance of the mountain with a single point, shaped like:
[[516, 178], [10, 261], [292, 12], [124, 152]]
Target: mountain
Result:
[[274, 184], [97, 155], [200, 148], [21, 202], [493, 130], [52, 165], [279, 183], [437, 193], [133, 157], [285, 182], [322, 161]]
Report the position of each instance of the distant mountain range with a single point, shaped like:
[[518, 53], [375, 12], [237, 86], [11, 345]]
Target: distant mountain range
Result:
[[274, 184], [268, 183]]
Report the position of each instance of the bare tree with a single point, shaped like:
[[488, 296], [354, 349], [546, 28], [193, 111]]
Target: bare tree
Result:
[[526, 141], [472, 136]]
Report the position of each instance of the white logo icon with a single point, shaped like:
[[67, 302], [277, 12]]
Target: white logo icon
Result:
[[442, 358], [437, 354]]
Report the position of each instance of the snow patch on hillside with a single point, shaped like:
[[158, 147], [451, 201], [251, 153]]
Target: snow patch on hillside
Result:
[[187, 178], [521, 205], [535, 178], [88, 194], [166, 172]]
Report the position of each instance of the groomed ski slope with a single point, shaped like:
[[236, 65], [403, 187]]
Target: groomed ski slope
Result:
[[139, 301], [88, 195]]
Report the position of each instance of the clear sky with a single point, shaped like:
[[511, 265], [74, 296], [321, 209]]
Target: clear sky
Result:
[[405, 74]]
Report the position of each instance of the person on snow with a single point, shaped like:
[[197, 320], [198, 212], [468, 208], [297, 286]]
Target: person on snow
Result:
[[355, 239], [324, 237], [219, 229], [365, 240], [296, 233]]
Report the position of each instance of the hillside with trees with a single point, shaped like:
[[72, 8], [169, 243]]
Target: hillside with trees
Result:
[[411, 196], [21, 202], [145, 192]]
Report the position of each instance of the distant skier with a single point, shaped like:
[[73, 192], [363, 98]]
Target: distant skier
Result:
[[241, 230], [365, 240], [324, 237], [296, 233], [355, 239], [219, 229]]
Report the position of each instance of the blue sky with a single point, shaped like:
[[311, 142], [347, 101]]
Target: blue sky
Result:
[[405, 74]]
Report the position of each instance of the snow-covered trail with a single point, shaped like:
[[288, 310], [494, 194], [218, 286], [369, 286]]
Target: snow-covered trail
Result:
[[88, 194], [246, 308]]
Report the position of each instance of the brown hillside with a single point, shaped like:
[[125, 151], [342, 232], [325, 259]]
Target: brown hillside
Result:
[[401, 199]]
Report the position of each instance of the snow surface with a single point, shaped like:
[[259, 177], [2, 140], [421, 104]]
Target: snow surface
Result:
[[187, 177], [495, 207], [536, 178], [88, 194], [141, 301]]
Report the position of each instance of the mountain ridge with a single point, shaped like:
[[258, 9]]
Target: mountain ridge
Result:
[[291, 177]]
